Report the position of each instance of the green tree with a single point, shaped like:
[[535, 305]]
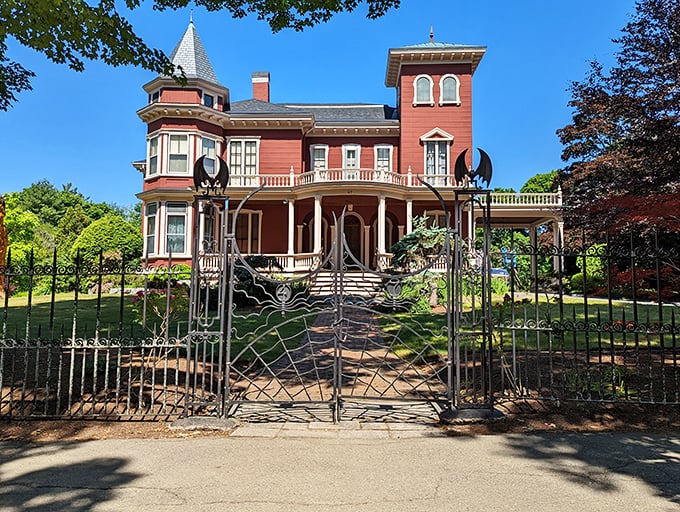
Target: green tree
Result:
[[72, 31], [51, 204], [69, 228], [414, 248], [22, 228], [623, 143], [110, 234], [542, 182]]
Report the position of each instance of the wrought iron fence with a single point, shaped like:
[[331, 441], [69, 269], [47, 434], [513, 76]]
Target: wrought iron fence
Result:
[[594, 320], [90, 340], [587, 320]]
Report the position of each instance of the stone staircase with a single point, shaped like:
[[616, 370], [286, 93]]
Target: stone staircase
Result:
[[356, 283]]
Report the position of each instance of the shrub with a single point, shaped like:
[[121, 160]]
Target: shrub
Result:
[[108, 234]]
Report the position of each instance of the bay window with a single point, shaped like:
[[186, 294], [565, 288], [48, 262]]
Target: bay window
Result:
[[150, 232], [208, 150], [178, 154], [152, 165]]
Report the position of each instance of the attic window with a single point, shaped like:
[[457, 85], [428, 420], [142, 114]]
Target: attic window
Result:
[[208, 100], [155, 97]]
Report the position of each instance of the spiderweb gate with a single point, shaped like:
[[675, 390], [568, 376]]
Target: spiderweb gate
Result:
[[341, 342]]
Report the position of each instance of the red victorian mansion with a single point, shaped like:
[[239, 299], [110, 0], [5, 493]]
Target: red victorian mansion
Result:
[[314, 160]]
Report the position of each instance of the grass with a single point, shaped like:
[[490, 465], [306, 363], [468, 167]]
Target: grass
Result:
[[416, 332], [255, 331]]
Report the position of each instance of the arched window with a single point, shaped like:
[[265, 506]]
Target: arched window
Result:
[[422, 86], [449, 90]]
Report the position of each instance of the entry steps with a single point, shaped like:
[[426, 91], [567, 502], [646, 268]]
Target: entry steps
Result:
[[355, 283]]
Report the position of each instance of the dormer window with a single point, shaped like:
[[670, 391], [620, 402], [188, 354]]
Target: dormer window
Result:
[[449, 90], [208, 100], [155, 97], [422, 90]]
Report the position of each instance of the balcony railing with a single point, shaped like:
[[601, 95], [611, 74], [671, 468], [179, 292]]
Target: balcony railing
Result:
[[410, 180]]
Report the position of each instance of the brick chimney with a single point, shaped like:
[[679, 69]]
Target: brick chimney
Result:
[[261, 85]]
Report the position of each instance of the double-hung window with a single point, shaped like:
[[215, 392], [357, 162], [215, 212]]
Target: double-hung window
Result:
[[243, 161], [152, 167], [178, 154], [150, 234], [176, 226], [208, 150]]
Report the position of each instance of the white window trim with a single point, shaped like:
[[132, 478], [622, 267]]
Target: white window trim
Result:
[[243, 140], [189, 143], [314, 147], [389, 147], [430, 101], [158, 155], [154, 250], [188, 222], [436, 154], [441, 90], [199, 148], [346, 147]]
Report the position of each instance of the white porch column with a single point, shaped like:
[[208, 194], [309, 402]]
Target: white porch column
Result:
[[409, 216], [317, 224], [291, 236], [367, 244], [381, 224], [291, 227]]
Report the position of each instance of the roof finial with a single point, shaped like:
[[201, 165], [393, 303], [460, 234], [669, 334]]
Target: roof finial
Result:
[[191, 16], [431, 34]]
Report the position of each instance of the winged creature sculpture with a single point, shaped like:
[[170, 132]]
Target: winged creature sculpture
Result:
[[203, 180], [482, 172]]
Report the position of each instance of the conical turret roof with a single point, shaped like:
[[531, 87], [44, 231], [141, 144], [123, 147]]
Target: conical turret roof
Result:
[[191, 56]]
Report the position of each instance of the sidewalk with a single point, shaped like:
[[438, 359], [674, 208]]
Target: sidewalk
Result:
[[346, 467]]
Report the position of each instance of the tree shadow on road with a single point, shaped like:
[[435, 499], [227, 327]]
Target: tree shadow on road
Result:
[[591, 459], [78, 486]]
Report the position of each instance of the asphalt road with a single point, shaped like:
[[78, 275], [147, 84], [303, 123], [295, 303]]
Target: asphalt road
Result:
[[272, 469]]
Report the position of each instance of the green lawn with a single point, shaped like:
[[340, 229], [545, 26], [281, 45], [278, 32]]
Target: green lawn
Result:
[[264, 331], [531, 325]]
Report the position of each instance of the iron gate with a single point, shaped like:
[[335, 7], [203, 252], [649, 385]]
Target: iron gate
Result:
[[342, 341]]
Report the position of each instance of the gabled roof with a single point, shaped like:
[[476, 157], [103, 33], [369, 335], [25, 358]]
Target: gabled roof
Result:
[[191, 56]]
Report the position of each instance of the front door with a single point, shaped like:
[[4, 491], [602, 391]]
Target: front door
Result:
[[353, 236]]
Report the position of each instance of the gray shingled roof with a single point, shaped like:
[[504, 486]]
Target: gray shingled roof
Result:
[[348, 112], [191, 56], [262, 107], [329, 113]]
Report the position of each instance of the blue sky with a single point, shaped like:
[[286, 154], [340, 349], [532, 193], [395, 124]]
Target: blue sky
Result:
[[82, 127]]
